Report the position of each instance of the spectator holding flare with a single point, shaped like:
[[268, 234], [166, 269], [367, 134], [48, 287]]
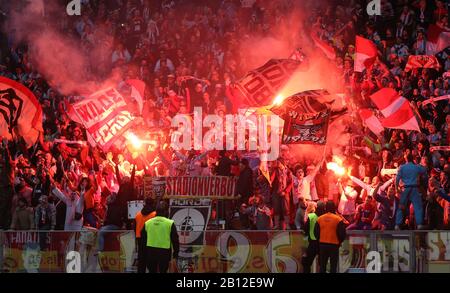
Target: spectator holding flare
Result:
[[347, 201]]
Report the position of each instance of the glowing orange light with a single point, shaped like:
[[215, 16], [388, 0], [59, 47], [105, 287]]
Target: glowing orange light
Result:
[[336, 166], [278, 100], [134, 140], [338, 170]]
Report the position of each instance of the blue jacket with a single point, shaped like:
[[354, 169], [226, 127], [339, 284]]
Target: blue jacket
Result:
[[410, 173]]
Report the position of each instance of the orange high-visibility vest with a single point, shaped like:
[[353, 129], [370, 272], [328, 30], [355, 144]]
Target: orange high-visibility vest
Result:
[[328, 224], [140, 221]]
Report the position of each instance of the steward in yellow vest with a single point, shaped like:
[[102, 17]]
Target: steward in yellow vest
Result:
[[330, 230], [313, 245], [158, 238]]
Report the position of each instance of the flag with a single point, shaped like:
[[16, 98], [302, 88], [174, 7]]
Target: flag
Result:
[[422, 61], [366, 54], [105, 115], [437, 99], [306, 119], [304, 102], [137, 91], [437, 39], [21, 112], [260, 86], [371, 121], [325, 47], [396, 110]]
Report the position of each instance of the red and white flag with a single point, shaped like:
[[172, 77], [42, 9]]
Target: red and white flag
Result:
[[137, 91], [366, 54], [396, 110], [260, 86], [371, 121], [437, 39], [20, 112], [422, 61], [105, 115], [437, 99], [326, 48]]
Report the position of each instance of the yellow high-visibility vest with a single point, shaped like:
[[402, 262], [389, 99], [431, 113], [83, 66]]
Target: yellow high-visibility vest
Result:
[[158, 232]]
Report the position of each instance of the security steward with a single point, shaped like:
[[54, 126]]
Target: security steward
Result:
[[313, 244], [148, 212], [330, 230], [158, 238]]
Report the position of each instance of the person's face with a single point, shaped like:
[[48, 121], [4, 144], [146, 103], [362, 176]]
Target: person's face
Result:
[[375, 181], [109, 156], [300, 174], [424, 161], [43, 201], [442, 176], [368, 200], [21, 204], [198, 88], [120, 158], [241, 166]]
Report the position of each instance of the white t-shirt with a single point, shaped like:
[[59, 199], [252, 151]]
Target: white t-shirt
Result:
[[347, 205]]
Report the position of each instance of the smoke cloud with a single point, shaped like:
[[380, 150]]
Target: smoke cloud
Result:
[[282, 39], [56, 53]]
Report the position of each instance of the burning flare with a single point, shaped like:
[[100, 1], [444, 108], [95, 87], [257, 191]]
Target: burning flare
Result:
[[134, 140], [278, 100], [336, 166]]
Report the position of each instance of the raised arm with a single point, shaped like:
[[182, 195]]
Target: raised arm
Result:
[[59, 194], [361, 183]]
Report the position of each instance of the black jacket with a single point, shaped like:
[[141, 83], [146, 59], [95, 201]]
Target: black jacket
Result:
[[116, 214], [224, 166], [244, 185]]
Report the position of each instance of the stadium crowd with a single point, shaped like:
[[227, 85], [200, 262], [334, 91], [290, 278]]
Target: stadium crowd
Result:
[[187, 53]]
